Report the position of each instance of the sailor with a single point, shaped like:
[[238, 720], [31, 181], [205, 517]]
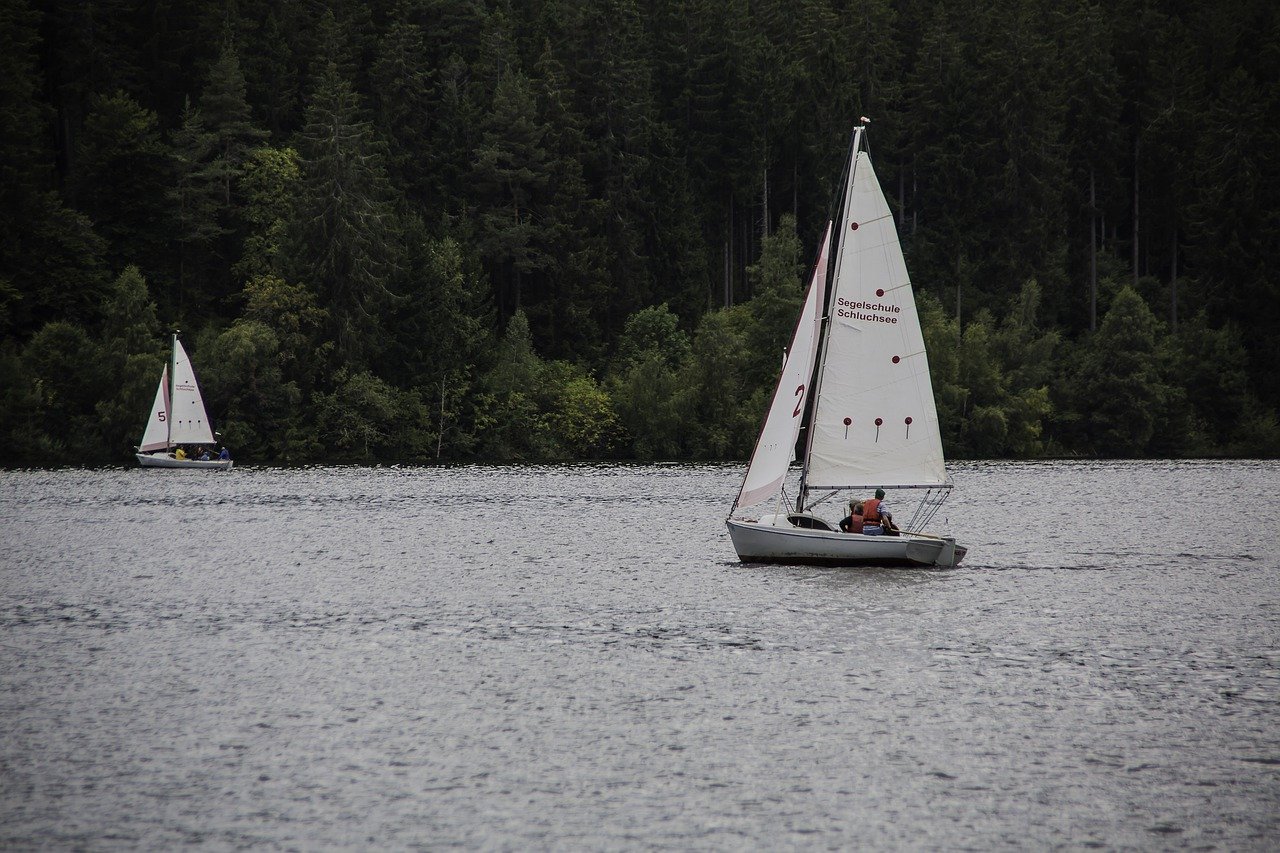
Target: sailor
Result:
[[876, 512], [852, 523]]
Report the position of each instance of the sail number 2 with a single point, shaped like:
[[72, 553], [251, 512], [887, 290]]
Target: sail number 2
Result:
[[799, 401]]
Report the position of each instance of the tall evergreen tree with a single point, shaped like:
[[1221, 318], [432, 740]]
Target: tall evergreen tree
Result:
[[511, 174], [120, 182], [195, 197], [50, 257], [401, 79], [345, 237]]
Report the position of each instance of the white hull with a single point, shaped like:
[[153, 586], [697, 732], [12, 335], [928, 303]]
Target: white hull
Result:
[[164, 460], [767, 543]]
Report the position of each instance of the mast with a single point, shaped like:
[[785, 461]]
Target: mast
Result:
[[173, 374], [833, 273]]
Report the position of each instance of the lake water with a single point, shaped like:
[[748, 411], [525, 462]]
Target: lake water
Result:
[[571, 658]]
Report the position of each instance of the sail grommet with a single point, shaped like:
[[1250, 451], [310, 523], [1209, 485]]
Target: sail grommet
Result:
[[847, 423], [880, 292], [896, 359], [908, 423], [853, 226]]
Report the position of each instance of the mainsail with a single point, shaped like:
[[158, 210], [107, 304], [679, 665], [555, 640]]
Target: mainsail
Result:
[[777, 440], [875, 423]]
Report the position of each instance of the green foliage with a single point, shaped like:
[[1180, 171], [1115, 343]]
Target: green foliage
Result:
[[292, 315], [652, 332], [365, 420], [423, 229], [646, 384], [120, 180], [245, 391], [1118, 372], [131, 357], [510, 174], [991, 382], [507, 421], [61, 362], [441, 333], [580, 419], [345, 238], [777, 299], [270, 181], [195, 196], [725, 415], [650, 403]]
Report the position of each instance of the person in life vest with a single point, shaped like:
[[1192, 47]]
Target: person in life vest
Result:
[[852, 523], [875, 512], [180, 453]]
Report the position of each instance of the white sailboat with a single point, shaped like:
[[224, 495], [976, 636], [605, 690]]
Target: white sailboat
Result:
[[178, 418], [872, 419]]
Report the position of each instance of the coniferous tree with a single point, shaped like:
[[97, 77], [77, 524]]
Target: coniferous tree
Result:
[[401, 77], [1118, 373], [510, 174], [646, 382], [270, 182], [132, 352], [120, 181], [345, 237], [195, 197], [598, 159], [233, 135], [50, 258]]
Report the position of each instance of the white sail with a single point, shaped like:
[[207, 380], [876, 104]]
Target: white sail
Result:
[[875, 422], [189, 421], [776, 445], [156, 434]]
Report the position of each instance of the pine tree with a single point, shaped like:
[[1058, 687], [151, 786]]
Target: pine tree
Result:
[[50, 258], [120, 182], [345, 240], [195, 197], [402, 105], [510, 175]]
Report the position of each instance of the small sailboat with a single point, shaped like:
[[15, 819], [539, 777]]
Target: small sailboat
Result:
[[872, 421], [178, 419]]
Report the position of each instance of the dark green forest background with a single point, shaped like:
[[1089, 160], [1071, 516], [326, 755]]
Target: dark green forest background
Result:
[[410, 230]]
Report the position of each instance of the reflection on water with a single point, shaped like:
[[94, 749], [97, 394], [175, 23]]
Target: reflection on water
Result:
[[571, 657]]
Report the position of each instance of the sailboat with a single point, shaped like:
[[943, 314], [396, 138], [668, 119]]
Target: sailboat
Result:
[[872, 421], [178, 418]]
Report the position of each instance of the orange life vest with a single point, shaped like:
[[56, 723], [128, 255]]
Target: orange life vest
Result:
[[871, 510]]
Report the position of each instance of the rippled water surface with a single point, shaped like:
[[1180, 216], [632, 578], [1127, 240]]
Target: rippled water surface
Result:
[[572, 658]]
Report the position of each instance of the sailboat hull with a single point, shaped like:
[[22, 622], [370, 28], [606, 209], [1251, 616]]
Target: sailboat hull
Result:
[[784, 544], [164, 460]]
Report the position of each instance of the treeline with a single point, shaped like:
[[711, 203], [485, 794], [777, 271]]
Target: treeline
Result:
[[452, 229]]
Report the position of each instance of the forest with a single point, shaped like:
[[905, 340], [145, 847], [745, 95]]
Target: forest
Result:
[[405, 231]]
